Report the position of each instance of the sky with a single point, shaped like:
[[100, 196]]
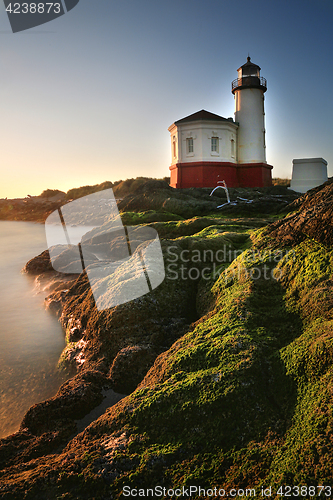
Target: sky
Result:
[[89, 96]]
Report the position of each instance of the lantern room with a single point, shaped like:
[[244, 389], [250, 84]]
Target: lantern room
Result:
[[249, 77]]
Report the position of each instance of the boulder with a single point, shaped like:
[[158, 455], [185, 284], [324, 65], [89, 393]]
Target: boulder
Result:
[[313, 218], [130, 366], [39, 264]]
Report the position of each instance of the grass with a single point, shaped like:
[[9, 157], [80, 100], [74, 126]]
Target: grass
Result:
[[120, 188], [277, 181]]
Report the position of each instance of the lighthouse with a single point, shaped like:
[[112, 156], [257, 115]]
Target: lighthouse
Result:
[[249, 89], [207, 148]]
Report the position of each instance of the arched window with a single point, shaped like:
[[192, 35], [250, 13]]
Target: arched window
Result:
[[232, 148]]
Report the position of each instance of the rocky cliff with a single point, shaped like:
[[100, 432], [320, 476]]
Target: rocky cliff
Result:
[[224, 370]]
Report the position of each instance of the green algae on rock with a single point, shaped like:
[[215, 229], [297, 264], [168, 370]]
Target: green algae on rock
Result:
[[239, 394]]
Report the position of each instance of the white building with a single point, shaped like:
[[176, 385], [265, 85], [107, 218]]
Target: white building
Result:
[[207, 148]]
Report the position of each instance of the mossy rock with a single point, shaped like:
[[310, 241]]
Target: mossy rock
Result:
[[240, 395], [134, 218]]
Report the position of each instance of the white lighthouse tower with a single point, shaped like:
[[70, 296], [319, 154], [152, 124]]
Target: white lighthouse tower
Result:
[[249, 89]]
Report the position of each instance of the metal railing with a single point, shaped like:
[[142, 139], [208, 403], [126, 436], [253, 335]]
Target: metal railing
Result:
[[249, 81]]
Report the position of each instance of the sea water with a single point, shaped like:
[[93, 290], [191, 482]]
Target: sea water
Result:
[[31, 339]]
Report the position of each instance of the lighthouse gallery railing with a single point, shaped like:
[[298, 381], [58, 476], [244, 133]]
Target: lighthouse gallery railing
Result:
[[249, 81]]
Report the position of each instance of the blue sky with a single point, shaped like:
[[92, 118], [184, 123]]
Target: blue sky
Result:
[[89, 96]]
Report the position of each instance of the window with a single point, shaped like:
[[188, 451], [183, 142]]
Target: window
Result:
[[214, 144], [174, 146], [232, 148], [189, 145]]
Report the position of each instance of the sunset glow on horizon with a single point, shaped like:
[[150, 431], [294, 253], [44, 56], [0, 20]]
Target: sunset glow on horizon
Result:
[[89, 96]]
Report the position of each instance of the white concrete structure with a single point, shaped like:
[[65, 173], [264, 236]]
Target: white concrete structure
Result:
[[204, 136], [308, 173], [248, 90]]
